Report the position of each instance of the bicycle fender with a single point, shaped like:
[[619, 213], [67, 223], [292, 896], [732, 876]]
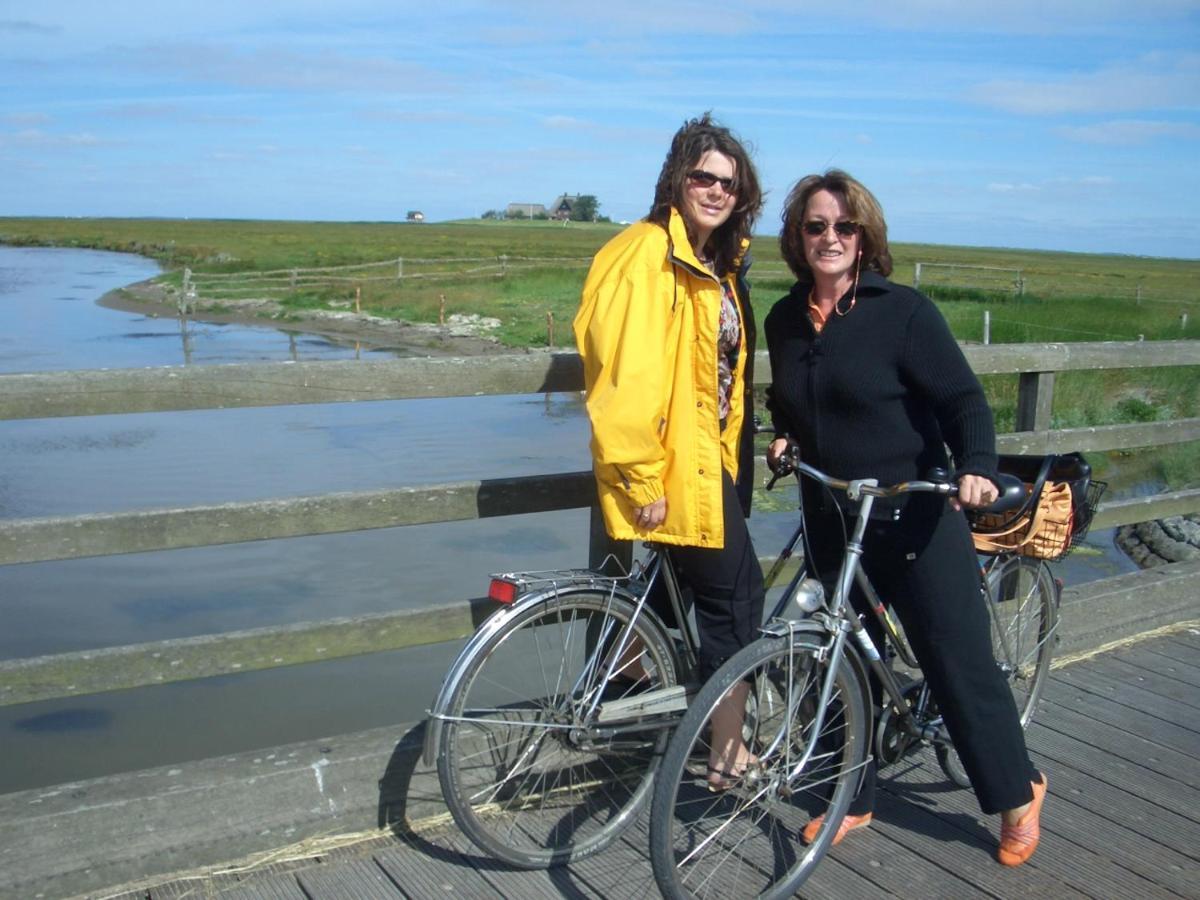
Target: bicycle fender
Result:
[[485, 632], [778, 628]]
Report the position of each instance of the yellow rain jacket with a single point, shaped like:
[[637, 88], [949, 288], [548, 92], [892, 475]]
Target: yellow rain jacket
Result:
[[647, 331]]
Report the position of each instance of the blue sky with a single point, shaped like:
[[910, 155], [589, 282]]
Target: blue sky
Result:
[[1057, 124]]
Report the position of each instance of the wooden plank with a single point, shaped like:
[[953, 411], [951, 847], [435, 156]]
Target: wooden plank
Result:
[[1097, 438], [912, 811], [427, 870], [1132, 696], [1060, 856], [1113, 838], [163, 662], [1130, 778], [1150, 660], [104, 391], [1179, 652], [355, 879], [1111, 800], [1118, 715], [999, 359], [140, 531], [1159, 680], [271, 887], [1189, 638], [898, 865], [623, 870], [1125, 744]]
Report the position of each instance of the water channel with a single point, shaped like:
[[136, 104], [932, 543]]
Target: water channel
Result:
[[49, 320]]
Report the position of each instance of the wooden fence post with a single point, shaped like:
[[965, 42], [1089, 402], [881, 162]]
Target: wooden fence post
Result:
[[357, 300], [399, 268], [917, 277], [987, 326], [550, 328], [441, 309], [1035, 400]]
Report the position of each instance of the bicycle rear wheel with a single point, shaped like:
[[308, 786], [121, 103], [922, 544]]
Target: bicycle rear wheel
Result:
[[746, 841], [523, 772], [1022, 600]]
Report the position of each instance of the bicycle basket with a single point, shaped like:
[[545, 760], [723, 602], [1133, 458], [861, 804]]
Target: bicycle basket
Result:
[[1056, 514]]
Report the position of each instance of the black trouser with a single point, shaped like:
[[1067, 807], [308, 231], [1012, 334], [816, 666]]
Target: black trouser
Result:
[[924, 567], [726, 586]]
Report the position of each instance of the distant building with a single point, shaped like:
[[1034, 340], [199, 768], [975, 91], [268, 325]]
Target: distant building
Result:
[[415, 215], [561, 208], [524, 211]]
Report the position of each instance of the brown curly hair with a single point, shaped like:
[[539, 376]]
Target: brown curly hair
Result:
[[692, 141], [864, 209]]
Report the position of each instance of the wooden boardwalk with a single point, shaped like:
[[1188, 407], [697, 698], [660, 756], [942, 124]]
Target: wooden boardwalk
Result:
[[1117, 733]]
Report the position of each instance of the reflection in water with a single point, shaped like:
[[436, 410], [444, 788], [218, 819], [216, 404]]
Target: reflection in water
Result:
[[66, 720]]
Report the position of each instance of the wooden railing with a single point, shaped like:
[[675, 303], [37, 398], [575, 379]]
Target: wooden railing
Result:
[[53, 394]]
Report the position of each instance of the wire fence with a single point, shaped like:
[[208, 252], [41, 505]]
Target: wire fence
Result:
[[1015, 282], [216, 285]]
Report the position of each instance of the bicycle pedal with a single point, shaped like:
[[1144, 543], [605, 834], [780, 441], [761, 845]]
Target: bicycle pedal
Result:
[[651, 703]]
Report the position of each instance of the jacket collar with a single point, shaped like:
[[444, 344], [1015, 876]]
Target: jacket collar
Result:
[[869, 283], [680, 249]]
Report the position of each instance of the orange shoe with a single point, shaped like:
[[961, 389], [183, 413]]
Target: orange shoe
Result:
[[1017, 842], [849, 823]]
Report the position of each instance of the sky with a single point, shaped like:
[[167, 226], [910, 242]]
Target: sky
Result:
[[1053, 125]]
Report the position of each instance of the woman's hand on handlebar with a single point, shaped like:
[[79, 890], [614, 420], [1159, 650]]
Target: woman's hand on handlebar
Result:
[[974, 491], [775, 451]]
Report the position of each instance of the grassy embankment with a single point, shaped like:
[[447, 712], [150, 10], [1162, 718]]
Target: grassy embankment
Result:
[[1068, 297]]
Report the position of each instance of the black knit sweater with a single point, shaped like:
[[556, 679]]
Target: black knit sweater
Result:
[[881, 391]]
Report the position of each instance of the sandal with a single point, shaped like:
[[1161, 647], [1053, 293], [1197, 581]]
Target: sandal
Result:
[[724, 780], [1017, 842], [849, 823]]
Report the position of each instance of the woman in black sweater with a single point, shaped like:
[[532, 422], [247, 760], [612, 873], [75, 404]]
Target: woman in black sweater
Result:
[[869, 383]]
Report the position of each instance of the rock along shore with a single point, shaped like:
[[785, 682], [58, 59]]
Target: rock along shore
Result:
[[461, 336]]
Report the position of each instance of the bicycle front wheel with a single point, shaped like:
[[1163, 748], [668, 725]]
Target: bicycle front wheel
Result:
[[745, 841], [1022, 602], [525, 771], [1023, 608]]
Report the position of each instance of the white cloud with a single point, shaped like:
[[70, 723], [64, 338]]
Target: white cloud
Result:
[[1153, 82], [287, 69], [29, 120], [1004, 187], [1128, 132], [35, 137]]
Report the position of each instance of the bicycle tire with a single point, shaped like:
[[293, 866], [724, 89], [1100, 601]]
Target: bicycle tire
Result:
[[518, 782], [1022, 599], [746, 841]]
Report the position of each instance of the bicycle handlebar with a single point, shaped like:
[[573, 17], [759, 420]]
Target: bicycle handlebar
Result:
[[1012, 490]]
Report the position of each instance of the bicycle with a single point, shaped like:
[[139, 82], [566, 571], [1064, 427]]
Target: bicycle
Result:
[[809, 724], [545, 753]]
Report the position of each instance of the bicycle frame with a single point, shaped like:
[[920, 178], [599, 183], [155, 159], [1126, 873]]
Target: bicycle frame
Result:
[[838, 622], [534, 588]]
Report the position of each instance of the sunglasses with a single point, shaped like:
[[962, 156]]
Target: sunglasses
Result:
[[708, 179], [816, 228]]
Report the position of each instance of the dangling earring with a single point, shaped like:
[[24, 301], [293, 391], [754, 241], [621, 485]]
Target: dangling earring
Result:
[[854, 292]]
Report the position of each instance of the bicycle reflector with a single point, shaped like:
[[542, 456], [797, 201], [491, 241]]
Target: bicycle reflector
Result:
[[502, 591]]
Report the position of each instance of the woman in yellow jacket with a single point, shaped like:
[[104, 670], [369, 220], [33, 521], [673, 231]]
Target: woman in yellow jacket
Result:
[[666, 334]]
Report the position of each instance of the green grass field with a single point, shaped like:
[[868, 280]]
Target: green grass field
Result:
[[1067, 296]]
